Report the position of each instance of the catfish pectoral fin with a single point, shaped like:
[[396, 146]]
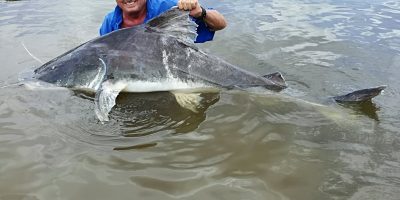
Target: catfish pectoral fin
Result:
[[360, 95], [105, 98]]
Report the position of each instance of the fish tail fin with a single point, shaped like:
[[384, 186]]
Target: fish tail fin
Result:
[[360, 95]]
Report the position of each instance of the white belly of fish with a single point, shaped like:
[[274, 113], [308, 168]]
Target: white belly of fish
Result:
[[187, 94], [162, 85]]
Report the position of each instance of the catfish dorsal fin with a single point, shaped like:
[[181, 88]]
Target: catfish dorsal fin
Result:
[[174, 22]]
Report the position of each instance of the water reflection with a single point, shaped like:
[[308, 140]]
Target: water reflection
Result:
[[145, 113], [137, 116], [367, 108]]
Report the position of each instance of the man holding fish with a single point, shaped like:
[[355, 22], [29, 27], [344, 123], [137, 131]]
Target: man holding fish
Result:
[[129, 13]]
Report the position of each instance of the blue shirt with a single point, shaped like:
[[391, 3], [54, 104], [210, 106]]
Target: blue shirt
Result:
[[113, 20]]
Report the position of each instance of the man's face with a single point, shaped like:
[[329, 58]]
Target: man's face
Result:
[[131, 6]]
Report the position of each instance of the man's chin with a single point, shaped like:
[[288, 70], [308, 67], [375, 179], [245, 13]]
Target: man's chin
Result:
[[130, 8]]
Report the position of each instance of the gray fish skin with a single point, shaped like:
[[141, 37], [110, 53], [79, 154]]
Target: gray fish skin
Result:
[[140, 53], [76, 68], [157, 51]]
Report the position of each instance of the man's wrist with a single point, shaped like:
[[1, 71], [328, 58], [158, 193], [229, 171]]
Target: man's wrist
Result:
[[202, 14]]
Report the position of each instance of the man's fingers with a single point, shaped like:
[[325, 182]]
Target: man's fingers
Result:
[[180, 4], [190, 2], [187, 4], [193, 4]]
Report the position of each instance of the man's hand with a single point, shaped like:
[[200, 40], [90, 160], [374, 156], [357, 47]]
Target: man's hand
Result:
[[214, 20], [190, 5]]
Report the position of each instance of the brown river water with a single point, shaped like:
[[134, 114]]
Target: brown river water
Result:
[[241, 144]]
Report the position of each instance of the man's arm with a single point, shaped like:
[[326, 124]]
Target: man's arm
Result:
[[214, 20]]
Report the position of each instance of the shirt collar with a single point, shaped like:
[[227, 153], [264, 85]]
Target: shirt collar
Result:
[[118, 17]]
